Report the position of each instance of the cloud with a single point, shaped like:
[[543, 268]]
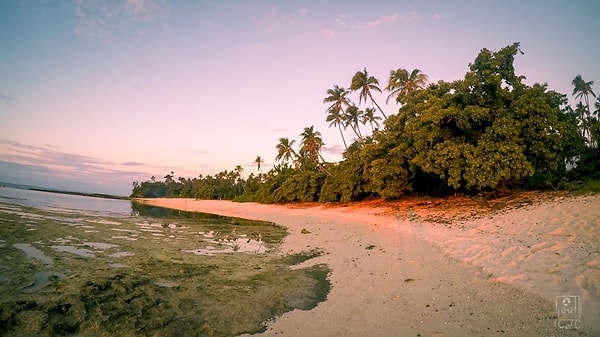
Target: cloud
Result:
[[5, 99], [437, 17], [103, 18], [334, 149], [279, 22], [327, 32], [132, 163], [46, 166], [193, 151], [392, 19], [384, 20]]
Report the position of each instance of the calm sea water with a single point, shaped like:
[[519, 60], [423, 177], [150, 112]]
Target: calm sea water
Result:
[[65, 202]]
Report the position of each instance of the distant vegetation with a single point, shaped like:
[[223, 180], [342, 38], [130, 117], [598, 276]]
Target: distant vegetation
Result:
[[486, 133], [94, 195]]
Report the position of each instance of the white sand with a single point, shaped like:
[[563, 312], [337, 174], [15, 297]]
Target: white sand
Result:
[[496, 275]]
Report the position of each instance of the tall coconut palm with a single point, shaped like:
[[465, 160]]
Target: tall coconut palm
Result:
[[335, 112], [285, 150], [365, 83], [369, 117], [311, 143], [403, 83], [310, 147], [239, 169], [236, 176], [582, 90], [258, 161], [335, 118], [352, 117]]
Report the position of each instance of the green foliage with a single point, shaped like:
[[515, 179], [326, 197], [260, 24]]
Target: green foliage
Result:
[[347, 180], [224, 185], [590, 185], [487, 131], [300, 187], [149, 189], [385, 162]]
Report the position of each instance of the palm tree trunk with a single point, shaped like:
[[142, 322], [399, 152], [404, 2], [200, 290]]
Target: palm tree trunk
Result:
[[342, 134], [357, 133], [377, 105], [323, 169], [588, 122]]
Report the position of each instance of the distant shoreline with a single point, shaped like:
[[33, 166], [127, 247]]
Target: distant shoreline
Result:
[[95, 195], [49, 190]]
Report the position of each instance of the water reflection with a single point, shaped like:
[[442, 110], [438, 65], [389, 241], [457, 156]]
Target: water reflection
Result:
[[151, 271], [222, 233], [140, 209]]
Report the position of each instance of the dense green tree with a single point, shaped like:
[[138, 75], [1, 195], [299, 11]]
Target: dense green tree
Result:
[[488, 130], [385, 161], [361, 81], [347, 181], [300, 187], [149, 189]]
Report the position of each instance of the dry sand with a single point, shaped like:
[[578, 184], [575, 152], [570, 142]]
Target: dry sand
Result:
[[438, 268]]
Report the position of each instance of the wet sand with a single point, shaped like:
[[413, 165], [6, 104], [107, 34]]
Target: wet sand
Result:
[[411, 269]]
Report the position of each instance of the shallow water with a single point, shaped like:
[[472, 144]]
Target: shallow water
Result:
[[149, 272]]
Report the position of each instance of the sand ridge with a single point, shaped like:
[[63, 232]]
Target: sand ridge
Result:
[[397, 273]]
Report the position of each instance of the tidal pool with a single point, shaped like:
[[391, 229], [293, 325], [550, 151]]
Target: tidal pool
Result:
[[156, 272]]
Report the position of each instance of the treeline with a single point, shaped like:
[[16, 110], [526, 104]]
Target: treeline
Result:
[[488, 132]]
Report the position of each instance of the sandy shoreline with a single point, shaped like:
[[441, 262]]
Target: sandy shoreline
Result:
[[394, 274]]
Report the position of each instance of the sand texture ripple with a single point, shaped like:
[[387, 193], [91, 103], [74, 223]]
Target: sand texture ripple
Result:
[[426, 269]]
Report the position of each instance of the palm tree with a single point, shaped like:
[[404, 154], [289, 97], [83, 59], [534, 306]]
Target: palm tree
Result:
[[258, 161], [582, 90], [310, 147], [365, 83], [236, 177], [335, 112], [285, 150], [369, 117], [352, 117], [239, 169], [403, 83], [311, 143], [335, 118]]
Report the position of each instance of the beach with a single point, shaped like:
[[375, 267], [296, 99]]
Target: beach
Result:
[[439, 268]]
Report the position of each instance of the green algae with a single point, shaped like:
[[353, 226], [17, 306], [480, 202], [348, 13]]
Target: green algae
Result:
[[139, 278]]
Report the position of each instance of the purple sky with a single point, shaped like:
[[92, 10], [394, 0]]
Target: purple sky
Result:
[[95, 94]]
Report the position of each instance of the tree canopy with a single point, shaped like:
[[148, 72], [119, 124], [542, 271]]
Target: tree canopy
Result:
[[488, 131]]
